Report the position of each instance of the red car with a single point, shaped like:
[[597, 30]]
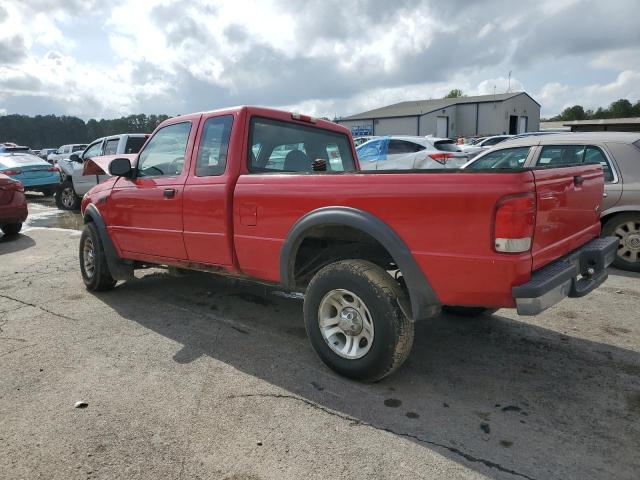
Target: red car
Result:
[[279, 197], [13, 205]]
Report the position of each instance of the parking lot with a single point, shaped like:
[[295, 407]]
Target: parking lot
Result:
[[197, 376]]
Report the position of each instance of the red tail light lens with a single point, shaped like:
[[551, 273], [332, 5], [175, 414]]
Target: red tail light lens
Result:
[[11, 172], [514, 224], [303, 118], [53, 169], [441, 157]]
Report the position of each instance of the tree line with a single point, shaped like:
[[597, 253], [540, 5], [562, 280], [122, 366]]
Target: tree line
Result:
[[52, 131], [622, 108]]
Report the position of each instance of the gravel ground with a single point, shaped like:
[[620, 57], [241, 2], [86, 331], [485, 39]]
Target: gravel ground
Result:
[[202, 377]]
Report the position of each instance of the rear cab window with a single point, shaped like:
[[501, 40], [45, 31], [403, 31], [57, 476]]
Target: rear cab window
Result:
[[134, 144], [279, 146]]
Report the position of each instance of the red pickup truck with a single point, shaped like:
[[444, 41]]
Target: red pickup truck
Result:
[[279, 197]]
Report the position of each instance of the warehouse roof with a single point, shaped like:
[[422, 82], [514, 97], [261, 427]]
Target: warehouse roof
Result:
[[420, 107], [603, 121]]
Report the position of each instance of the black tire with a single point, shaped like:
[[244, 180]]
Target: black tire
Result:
[[11, 229], [66, 198], [100, 278], [382, 295], [469, 312], [47, 192], [617, 223]]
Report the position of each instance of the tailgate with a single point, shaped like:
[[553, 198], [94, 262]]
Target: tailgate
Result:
[[568, 210]]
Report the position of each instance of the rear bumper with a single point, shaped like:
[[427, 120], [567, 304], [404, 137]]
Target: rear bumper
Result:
[[573, 275], [16, 211]]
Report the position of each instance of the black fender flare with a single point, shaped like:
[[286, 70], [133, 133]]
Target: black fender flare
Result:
[[424, 301], [117, 267]]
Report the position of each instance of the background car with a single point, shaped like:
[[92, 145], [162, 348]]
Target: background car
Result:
[[45, 152], [64, 151], [619, 155], [73, 181], [13, 205], [482, 144], [33, 172], [400, 152]]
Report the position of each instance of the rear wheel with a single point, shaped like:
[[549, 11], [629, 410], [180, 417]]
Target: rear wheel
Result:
[[11, 228], [66, 198], [354, 321], [625, 226], [93, 263]]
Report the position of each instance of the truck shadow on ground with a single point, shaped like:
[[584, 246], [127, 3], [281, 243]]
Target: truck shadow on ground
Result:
[[15, 243], [508, 398]]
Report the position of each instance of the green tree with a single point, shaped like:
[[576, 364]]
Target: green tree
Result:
[[621, 109], [455, 93], [573, 113]]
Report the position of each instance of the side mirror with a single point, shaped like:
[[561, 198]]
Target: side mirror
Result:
[[121, 167], [74, 157]]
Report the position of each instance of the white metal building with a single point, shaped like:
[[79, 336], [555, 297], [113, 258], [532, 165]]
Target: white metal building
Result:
[[483, 115]]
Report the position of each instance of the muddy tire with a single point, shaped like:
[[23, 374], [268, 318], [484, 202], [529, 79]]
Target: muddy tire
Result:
[[354, 321], [66, 198], [625, 226], [93, 263], [469, 312], [11, 229]]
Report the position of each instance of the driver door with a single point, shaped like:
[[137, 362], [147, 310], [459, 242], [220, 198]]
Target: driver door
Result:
[[145, 212]]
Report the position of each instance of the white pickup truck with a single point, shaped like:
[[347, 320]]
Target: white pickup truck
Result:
[[74, 183]]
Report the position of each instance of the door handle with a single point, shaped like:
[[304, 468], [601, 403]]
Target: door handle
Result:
[[605, 195], [169, 192], [578, 180]]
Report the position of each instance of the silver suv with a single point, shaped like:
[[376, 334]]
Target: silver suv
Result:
[[619, 155], [74, 184]]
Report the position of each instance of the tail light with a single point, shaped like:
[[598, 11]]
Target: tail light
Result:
[[11, 172], [441, 157], [53, 169], [15, 186], [514, 223], [303, 118], [18, 187]]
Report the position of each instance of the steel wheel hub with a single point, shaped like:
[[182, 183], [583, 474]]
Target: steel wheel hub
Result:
[[67, 197], [89, 258], [346, 324]]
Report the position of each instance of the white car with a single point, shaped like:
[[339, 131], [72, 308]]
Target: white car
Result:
[[399, 152], [473, 149]]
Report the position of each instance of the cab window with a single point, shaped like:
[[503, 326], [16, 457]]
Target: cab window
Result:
[[559, 155], [111, 147], [94, 150], [214, 145], [277, 146], [164, 153], [595, 155]]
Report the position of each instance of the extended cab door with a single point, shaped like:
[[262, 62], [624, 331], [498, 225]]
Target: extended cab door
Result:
[[145, 212], [208, 193]]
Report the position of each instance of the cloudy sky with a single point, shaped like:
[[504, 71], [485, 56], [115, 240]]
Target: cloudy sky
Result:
[[105, 59]]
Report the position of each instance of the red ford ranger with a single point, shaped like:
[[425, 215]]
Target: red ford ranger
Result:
[[279, 197]]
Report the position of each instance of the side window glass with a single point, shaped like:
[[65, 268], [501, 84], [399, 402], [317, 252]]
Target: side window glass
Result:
[[214, 144], [164, 154], [93, 151], [134, 144], [505, 158], [595, 155], [111, 148], [559, 155], [373, 151]]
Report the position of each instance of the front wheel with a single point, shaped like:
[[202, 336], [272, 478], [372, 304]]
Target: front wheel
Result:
[[625, 226], [11, 228], [354, 320], [66, 198], [93, 263]]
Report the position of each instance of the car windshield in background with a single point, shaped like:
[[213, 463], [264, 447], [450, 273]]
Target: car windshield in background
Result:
[[134, 144], [78, 148], [278, 146], [507, 158], [446, 146]]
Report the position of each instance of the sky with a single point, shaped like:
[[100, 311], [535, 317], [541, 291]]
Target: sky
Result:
[[106, 59]]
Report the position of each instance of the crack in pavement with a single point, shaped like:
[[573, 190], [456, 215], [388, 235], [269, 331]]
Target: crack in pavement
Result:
[[17, 349], [357, 422], [60, 315]]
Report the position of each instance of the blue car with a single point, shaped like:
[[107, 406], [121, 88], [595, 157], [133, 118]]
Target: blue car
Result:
[[33, 172]]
